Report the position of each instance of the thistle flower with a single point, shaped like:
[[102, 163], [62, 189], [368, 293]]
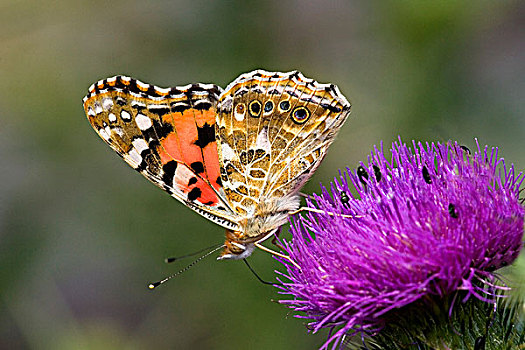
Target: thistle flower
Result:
[[427, 223]]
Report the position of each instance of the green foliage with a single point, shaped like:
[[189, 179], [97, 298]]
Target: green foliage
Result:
[[473, 325]]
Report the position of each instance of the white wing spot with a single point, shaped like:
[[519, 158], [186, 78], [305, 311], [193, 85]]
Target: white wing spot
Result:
[[125, 115], [98, 108], [157, 106], [112, 118], [140, 145], [143, 122], [119, 131], [107, 103], [227, 152], [142, 85], [239, 113], [162, 90], [136, 104], [180, 104], [104, 134], [133, 157], [262, 140], [200, 93]]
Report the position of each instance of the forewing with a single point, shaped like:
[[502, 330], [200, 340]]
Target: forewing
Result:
[[168, 135], [273, 131]]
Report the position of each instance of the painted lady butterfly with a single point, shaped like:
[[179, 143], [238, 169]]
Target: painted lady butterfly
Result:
[[238, 157]]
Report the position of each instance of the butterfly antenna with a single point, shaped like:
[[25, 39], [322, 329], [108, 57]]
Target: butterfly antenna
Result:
[[174, 258], [256, 275], [158, 283]]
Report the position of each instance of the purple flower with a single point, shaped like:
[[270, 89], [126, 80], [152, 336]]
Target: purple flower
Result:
[[427, 222]]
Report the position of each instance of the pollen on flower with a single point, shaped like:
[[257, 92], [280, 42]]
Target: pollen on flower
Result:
[[429, 220]]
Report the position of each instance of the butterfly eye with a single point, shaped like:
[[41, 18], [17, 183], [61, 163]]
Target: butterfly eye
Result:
[[300, 114], [284, 106], [255, 108], [268, 106]]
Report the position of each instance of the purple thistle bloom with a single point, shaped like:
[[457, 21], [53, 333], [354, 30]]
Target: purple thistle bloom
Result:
[[427, 222]]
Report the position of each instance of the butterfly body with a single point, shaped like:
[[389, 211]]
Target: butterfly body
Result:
[[238, 157]]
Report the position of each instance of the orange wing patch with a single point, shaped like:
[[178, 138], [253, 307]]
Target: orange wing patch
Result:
[[193, 144]]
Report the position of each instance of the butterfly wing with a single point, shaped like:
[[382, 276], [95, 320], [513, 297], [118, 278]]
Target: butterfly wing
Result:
[[168, 135], [273, 131]]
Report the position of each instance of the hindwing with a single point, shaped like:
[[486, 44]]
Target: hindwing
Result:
[[273, 130]]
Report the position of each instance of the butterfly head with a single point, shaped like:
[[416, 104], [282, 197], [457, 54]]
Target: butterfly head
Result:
[[234, 249]]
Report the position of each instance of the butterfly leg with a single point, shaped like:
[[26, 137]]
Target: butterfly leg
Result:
[[257, 275], [273, 252], [275, 238], [304, 195]]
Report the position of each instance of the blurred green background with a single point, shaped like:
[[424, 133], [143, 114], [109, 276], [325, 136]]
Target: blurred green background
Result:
[[82, 234]]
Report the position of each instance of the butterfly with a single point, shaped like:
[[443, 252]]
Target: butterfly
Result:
[[237, 156]]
